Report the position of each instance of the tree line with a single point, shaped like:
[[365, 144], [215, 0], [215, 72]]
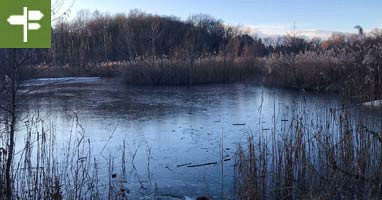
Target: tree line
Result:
[[341, 62]]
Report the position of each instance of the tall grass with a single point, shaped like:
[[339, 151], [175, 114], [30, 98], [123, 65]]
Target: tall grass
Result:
[[311, 70], [326, 71], [45, 169], [200, 71], [164, 71], [305, 159]]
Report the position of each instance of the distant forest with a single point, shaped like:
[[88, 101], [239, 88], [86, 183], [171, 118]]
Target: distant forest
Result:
[[97, 37]]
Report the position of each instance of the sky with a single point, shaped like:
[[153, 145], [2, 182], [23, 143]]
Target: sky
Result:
[[266, 16]]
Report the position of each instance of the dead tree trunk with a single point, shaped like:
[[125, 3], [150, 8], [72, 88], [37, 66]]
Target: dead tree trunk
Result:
[[12, 113]]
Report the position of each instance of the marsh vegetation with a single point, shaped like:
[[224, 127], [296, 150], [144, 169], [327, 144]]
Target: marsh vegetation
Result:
[[332, 157]]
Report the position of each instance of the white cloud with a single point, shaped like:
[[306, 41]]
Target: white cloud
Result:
[[276, 30]]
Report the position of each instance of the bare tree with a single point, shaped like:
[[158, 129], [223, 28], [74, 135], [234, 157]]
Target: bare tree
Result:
[[292, 42], [14, 60], [60, 9], [153, 35], [14, 67], [295, 45]]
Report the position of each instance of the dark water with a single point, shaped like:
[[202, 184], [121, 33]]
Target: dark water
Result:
[[170, 126]]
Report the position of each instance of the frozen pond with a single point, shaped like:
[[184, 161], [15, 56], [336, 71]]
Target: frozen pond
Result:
[[168, 129]]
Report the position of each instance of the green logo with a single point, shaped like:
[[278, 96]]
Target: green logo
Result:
[[25, 24]]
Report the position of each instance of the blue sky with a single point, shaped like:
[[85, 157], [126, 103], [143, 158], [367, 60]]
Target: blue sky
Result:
[[329, 15]]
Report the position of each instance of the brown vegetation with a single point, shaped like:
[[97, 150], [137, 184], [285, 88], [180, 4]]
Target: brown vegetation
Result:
[[340, 159]]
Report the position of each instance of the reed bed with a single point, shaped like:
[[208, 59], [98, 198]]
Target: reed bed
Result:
[[200, 71], [310, 70], [333, 156], [164, 71], [45, 169]]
